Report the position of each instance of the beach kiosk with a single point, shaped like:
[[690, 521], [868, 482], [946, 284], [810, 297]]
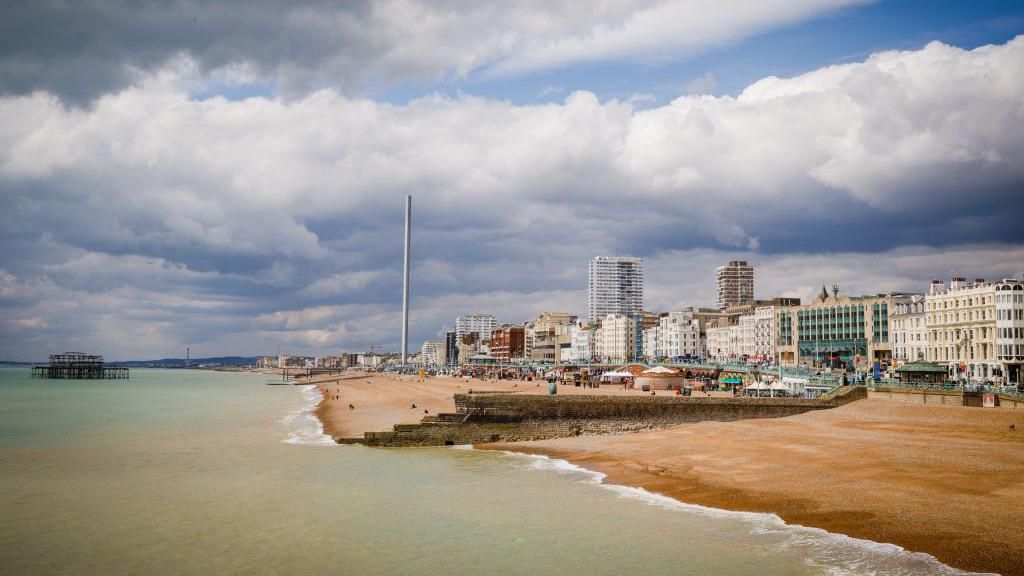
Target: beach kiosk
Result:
[[921, 371]]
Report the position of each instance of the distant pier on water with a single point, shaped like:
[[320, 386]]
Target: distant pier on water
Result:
[[79, 366]]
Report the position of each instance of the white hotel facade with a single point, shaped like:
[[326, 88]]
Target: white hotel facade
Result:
[[482, 324], [977, 328]]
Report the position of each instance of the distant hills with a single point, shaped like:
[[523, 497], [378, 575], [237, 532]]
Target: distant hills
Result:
[[180, 362]]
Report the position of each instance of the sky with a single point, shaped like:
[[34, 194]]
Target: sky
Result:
[[230, 176]]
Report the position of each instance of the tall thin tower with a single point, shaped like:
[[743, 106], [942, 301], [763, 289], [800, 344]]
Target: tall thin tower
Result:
[[615, 286], [735, 284], [405, 282]]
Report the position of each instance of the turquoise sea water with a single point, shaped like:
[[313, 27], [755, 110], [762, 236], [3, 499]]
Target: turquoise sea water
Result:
[[194, 472]]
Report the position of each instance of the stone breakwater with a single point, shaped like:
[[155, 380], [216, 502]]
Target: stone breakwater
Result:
[[509, 417]]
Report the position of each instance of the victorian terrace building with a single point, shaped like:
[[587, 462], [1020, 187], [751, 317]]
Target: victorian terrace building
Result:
[[976, 329]]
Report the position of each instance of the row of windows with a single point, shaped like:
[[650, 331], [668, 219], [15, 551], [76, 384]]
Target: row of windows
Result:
[[902, 323], [1011, 350], [841, 311], [1013, 314], [955, 335], [909, 353], [1010, 333], [953, 353], [914, 308], [960, 303], [960, 316]]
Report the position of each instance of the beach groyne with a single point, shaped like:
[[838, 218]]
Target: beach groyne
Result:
[[510, 417]]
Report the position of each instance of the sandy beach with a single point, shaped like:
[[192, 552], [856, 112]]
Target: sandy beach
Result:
[[383, 400], [944, 480]]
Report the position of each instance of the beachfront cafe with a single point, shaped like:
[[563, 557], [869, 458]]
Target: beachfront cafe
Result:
[[729, 381]]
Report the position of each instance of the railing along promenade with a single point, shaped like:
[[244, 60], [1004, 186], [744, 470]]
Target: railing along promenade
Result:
[[814, 377], [887, 383]]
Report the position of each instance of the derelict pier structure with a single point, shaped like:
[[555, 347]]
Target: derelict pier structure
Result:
[[79, 366]]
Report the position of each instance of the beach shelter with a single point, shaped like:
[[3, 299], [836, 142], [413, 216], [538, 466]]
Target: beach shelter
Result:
[[615, 377], [922, 371]]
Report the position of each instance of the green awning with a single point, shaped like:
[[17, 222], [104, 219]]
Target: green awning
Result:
[[732, 381]]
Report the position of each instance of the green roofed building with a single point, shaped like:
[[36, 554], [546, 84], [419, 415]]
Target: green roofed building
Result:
[[922, 371]]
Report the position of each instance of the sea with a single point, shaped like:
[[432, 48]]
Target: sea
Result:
[[202, 472]]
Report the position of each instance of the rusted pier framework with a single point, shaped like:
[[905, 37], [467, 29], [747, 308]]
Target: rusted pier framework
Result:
[[79, 366]]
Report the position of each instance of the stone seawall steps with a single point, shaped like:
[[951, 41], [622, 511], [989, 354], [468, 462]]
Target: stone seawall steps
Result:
[[482, 417]]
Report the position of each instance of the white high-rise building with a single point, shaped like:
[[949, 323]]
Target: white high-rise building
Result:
[[482, 324], [615, 286], [735, 284]]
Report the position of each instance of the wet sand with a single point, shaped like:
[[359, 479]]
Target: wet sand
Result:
[[944, 480]]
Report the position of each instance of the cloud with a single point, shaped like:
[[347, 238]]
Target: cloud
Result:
[[703, 84], [153, 220], [801, 275], [550, 91], [303, 45], [657, 31]]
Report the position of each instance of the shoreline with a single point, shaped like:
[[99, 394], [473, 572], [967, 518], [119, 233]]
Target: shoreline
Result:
[[382, 400], [900, 486], [939, 480], [601, 479]]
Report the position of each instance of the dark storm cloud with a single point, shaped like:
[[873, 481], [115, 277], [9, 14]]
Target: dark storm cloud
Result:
[[156, 221], [83, 49]]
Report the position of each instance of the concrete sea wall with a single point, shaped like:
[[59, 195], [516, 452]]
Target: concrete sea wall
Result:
[[481, 418], [943, 397]]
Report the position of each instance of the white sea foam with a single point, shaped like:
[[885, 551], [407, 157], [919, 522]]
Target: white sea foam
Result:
[[837, 554], [303, 425]]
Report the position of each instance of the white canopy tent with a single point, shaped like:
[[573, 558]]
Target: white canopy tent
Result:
[[615, 376], [773, 386], [660, 370]]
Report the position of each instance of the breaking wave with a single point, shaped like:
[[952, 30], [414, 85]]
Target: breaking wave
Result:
[[836, 554], [303, 426]]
